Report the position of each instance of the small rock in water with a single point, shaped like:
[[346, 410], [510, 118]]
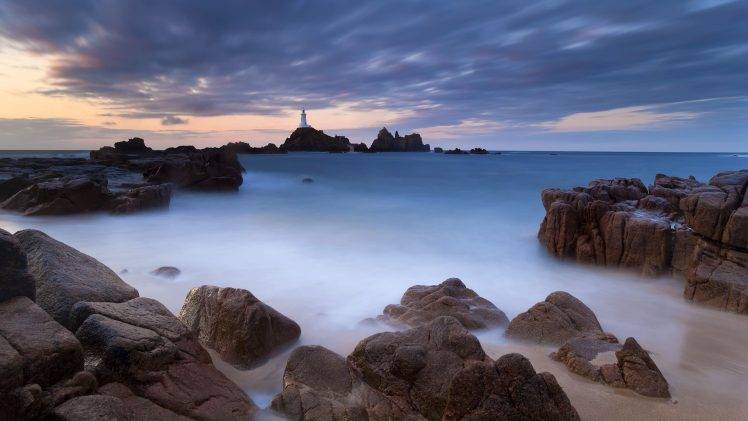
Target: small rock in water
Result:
[[167, 272], [307, 180], [124, 271]]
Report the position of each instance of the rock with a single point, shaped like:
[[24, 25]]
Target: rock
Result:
[[48, 352], [141, 345], [141, 198], [245, 148], [319, 385], [65, 276], [13, 185], [242, 329], [11, 369], [309, 139], [456, 151], [141, 408], [135, 145], [385, 142], [578, 354], [478, 151], [414, 368], [361, 147], [93, 408], [307, 180], [438, 150], [560, 317], [167, 272], [678, 225], [15, 279], [61, 196], [207, 169], [508, 389], [421, 304], [639, 371]]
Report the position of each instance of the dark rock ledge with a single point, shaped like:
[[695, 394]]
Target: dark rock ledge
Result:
[[128, 177], [677, 225]]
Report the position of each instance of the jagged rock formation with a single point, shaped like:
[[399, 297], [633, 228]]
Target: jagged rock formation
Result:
[[242, 329], [478, 151], [118, 357], [677, 225], [456, 151], [423, 303], [309, 139], [434, 371], [386, 142]]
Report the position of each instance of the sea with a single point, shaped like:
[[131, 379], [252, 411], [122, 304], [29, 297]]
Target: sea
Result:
[[336, 251]]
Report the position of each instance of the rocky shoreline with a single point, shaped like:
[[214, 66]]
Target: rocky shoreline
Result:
[[677, 225], [79, 343]]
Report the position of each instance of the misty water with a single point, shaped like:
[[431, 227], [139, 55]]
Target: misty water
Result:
[[336, 251]]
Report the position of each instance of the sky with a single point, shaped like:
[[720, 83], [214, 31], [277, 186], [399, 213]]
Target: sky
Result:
[[666, 75]]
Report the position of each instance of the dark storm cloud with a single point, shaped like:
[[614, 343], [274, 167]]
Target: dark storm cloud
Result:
[[513, 61]]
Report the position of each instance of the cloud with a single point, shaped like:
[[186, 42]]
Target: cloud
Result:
[[467, 127], [515, 60], [627, 118], [172, 120]]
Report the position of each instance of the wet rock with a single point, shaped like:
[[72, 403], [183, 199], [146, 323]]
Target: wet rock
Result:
[[438, 150], [508, 389], [718, 277], [141, 345], [386, 142], [93, 408], [478, 151], [48, 352], [560, 317], [15, 279], [245, 148], [361, 147], [65, 276], [242, 329], [421, 304], [456, 151], [141, 198], [167, 272], [61, 196], [307, 180]]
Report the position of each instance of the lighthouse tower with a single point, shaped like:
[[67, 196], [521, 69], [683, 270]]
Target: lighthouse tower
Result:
[[303, 122]]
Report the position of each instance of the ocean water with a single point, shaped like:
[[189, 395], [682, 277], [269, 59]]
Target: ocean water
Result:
[[336, 251]]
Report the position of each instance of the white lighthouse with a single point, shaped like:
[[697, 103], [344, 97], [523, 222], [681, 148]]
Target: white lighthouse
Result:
[[303, 122]]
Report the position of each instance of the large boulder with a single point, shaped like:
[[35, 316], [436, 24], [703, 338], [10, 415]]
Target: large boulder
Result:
[[65, 276], [640, 373], [415, 367], [318, 384], [93, 408], [718, 277], [140, 408], [141, 345], [15, 279], [560, 317], [46, 351], [61, 196], [423, 303], [508, 389], [241, 328]]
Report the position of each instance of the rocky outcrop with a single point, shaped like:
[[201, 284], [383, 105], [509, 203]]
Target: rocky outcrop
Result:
[[15, 279], [61, 196], [242, 329], [478, 151], [139, 408], [456, 151], [600, 357], [169, 272], [559, 318], [421, 304], [309, 139], [386, 142], [438, 150], [207, 169], [65, 276], [434, 371], [246, 148], [93, 408], [361, 147], [677, 225]]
